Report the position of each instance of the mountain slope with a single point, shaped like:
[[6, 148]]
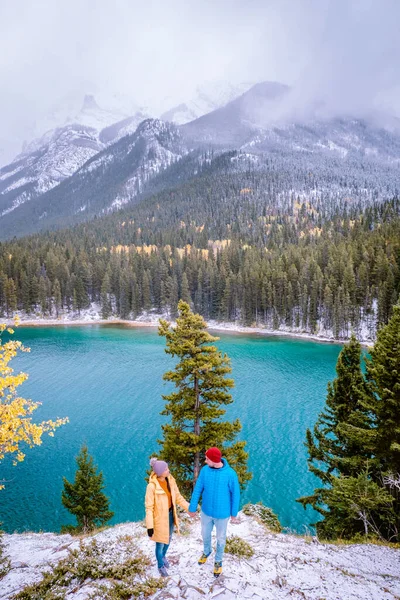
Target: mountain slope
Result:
[[45, 163], [207, 98], [108, 180], [236, 123], [350, 157]]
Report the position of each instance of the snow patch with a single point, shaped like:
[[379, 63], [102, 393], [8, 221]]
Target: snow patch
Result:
[[283, 566]]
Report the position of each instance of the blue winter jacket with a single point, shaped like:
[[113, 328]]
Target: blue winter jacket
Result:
[[220, 492]]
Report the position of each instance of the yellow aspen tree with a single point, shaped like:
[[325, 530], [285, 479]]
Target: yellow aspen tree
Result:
[[16, 426]]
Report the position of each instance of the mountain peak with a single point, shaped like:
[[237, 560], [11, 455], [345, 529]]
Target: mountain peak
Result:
[[89, 103]]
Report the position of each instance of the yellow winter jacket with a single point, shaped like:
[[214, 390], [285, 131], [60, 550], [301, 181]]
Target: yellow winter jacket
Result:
[[157, 511]]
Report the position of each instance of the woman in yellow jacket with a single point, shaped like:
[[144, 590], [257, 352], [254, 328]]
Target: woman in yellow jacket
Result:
[[162, 496]]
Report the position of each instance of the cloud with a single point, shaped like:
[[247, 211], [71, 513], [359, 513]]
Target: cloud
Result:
[[342, 53], [356, 65]]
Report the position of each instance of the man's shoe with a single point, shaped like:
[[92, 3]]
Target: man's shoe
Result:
[[166, 562], [203, 559], [163, 571], [217, 569]]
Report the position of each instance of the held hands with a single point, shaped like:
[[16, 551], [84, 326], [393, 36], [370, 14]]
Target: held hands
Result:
[[192, 514], [150, 532], [235, 520]]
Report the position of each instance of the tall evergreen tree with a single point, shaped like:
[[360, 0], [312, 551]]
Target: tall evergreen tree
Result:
[[106, 308], [197, 405], [57, 296], [84, 498], [383, 375], [335, 446]]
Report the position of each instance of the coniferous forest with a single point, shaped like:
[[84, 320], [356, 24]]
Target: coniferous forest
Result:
[[236, 244]]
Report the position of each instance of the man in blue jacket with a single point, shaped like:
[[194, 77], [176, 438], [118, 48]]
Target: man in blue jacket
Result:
[[218, 486]]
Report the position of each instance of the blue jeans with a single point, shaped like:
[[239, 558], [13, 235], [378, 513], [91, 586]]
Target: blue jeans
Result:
[[161, 549], [207, 524]]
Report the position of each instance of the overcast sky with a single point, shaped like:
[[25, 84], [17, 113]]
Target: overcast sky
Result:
[[155, 52]]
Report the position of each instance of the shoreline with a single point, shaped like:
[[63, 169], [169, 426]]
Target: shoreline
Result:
[[228, 328]]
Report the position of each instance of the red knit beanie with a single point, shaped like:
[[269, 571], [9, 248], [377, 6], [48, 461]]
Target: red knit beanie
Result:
[[214, 454]]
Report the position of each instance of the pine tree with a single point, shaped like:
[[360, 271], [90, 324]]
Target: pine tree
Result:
[[57, 296], [11, 296], [43, 294], [358, 505], [383, 375], [146, 291], [85, 498], [106, 308], [336, 445], [197, 405], [25, 297], [185, 292]]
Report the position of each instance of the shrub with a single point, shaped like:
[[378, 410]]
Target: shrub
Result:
[[122, 565], [236, 546], [264, 515]]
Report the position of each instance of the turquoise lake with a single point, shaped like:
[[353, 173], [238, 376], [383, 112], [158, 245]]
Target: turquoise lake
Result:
[[108, 381]]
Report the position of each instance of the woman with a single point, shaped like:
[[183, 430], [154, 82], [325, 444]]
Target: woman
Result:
[[162, 496]]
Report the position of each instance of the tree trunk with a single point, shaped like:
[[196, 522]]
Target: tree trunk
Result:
[[196, 468], [85, 525]]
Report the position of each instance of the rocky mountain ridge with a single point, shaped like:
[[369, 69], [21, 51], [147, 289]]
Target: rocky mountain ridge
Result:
[[78, 172], [109, 179]]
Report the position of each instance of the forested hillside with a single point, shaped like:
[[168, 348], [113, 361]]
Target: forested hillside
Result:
[[236, 241]]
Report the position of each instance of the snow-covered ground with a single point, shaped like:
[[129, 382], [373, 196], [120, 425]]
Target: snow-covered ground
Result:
[[283, 566], [92, 315]]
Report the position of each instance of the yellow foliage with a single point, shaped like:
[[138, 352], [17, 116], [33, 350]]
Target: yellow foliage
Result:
[[218, 244], [16, 427], [119, 249]]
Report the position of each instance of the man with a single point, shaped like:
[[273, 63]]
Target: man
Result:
[[218, 486]]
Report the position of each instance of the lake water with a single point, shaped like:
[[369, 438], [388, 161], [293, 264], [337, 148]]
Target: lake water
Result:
[[108, 381]]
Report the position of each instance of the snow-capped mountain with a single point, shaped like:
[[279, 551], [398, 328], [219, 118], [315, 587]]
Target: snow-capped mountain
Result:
[[126, 126], [345, 138], [109, 179], [96, 112], [237, 122], [78, 172], [60, 152], [45, 163], [262, 120], [207, 98]]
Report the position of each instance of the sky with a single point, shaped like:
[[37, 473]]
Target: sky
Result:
[[154, 53]]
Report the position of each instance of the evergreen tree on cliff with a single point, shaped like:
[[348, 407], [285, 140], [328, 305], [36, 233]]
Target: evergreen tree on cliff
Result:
[[383, 376], [336, 444], [197, 404], [85, 498], [355, 446]]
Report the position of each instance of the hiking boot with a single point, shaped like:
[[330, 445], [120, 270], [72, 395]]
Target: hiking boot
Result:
[[166, 562], [203, 559], [163, 571], [217, 569]]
